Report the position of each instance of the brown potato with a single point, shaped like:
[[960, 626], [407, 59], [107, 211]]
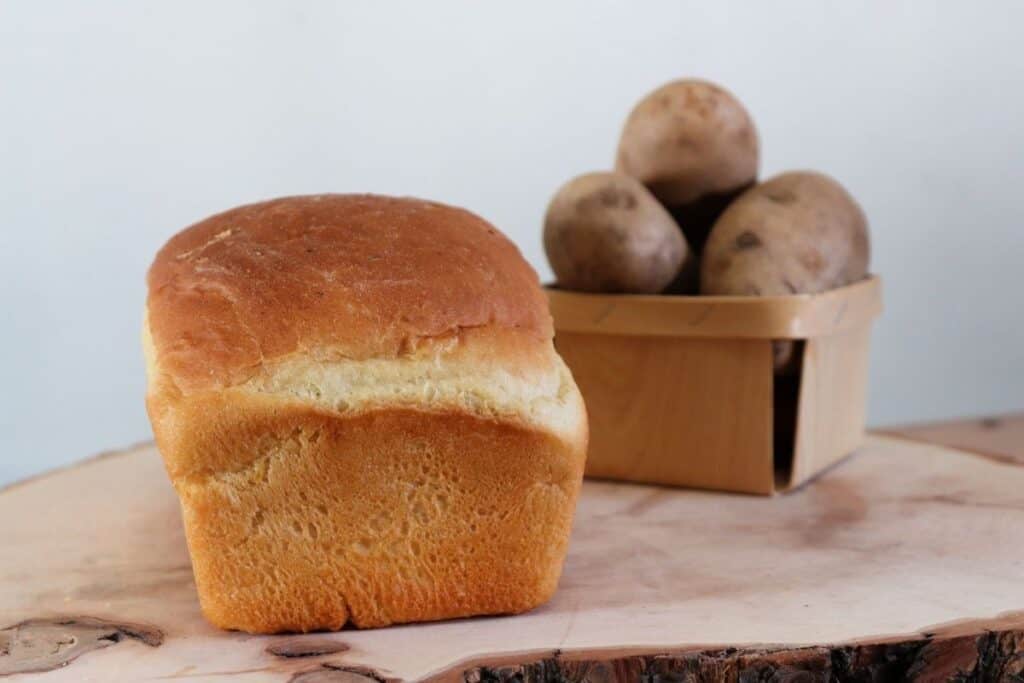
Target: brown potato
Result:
[[604, 232], [695, 147], [797, 233]]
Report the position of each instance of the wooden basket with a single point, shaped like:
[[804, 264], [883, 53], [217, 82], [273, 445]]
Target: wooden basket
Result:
[[680, 390]]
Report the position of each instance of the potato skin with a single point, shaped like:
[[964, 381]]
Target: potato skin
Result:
[[797, 233], [695, 147], [604, 232]]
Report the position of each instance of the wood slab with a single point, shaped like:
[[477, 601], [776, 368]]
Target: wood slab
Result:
[[904, 561], [1000, 437]]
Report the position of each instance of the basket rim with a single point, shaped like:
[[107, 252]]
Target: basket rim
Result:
[[797, 316]]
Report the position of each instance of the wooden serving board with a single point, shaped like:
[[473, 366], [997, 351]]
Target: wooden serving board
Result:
[[905, 560]]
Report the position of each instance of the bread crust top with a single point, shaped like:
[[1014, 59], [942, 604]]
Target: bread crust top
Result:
[[339, 277]]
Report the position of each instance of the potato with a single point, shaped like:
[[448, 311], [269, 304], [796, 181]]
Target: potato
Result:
[[604, 232], [696, 149], [798, 233]]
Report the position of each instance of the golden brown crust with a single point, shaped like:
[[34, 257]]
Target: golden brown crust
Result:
[[358, 401], [310, 520], [361, 275]]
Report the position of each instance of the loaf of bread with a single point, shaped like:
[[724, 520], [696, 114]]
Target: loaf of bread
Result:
[[359, 404]]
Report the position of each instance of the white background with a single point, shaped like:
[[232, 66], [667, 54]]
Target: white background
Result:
[[121, 123]]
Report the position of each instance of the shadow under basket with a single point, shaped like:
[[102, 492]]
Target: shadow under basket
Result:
[[680, 390]]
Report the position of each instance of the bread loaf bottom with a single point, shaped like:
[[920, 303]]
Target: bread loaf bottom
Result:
[[392, 515]]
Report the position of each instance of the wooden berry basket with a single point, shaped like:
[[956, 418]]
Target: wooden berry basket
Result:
[[680, 389]]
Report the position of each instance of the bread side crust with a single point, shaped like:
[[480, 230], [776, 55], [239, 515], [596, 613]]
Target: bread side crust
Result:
[[386, 516]]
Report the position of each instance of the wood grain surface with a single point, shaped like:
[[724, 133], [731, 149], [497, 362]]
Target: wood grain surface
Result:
[[903, 562], [646, 424], [998, 437]]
